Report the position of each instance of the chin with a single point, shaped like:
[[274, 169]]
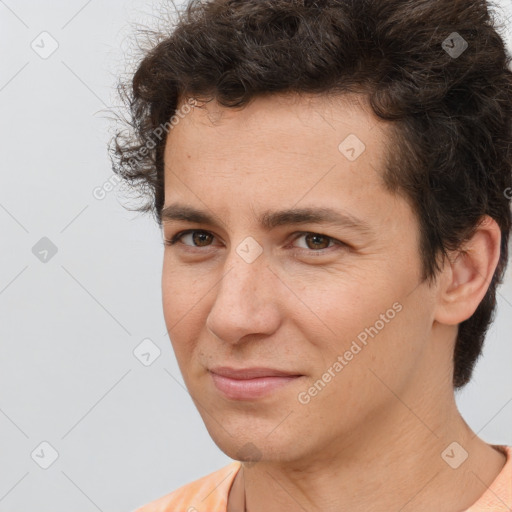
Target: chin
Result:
[[251, 442]]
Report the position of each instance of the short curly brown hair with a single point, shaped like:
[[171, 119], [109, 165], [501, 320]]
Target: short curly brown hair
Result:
[[437, 70]]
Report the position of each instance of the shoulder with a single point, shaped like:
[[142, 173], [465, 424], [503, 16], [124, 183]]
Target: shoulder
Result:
[[206, 494], [498, 495]]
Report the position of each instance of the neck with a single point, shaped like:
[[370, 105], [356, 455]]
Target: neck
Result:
[[394, 462]]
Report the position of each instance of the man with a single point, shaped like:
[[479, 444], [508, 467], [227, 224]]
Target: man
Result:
[[332, 189]]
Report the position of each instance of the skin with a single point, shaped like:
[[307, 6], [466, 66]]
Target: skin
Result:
[[372, 438]]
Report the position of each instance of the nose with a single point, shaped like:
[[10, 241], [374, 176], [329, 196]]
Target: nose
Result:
[[246, 302]]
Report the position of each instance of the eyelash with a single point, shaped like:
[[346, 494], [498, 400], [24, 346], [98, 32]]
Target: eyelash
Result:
[[179, 235]]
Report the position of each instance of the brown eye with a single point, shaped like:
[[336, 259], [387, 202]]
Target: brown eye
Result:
[[315, 241], [201, 238], [318, 241]]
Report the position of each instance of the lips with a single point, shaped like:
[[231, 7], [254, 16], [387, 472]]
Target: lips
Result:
[[250, 383], [251, 373]]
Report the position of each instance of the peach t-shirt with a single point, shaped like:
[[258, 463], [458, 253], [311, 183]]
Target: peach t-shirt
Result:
[[210, 493]]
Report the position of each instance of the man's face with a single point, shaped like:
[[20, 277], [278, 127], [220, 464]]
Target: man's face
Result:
[[339, 306]]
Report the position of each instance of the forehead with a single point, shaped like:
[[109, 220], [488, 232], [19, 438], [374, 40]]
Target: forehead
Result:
[[278, 149], [291, 115]]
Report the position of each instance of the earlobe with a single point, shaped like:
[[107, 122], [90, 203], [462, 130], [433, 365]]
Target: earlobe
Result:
[[467, 275]]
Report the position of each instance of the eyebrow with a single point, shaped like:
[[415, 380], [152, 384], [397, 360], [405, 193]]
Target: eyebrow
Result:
[[269, 219]]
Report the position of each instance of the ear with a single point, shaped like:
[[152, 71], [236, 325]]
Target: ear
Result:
[[466, 278]]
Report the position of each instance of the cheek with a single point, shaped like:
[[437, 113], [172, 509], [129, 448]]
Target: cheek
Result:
[[367, 326], [337, 309], [182, 290], [182, 303]]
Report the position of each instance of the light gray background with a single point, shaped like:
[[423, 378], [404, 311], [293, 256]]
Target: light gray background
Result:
[[125, 433]]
